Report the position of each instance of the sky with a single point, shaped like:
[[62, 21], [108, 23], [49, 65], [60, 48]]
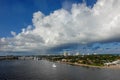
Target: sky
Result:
[[55, 26], [17, 14]]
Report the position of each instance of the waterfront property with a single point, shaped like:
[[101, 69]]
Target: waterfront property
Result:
[[25, 58], [92, 60], [117, 62]]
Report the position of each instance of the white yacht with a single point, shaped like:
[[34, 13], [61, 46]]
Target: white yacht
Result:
[[54, 65]]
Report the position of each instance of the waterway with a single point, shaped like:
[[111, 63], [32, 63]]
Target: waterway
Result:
[[43, 70]]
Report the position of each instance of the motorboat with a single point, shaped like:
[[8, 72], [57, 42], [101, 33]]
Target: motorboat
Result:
[[54, 65]]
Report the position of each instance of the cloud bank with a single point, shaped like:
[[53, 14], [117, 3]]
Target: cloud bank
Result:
[[81, 25]]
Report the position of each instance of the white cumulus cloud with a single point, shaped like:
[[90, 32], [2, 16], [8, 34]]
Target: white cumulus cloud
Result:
[[80, 25]]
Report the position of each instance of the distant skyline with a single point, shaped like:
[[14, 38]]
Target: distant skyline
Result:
[[55, 26]]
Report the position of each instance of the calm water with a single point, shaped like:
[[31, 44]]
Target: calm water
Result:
[[43, 70]]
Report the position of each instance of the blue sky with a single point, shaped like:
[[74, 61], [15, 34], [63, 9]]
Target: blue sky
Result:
[[17, 14], [93, 33]]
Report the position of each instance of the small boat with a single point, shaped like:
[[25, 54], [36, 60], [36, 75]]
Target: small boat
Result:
[[54, 65]]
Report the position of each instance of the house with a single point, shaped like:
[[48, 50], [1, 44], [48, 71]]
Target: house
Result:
[[117, 62]]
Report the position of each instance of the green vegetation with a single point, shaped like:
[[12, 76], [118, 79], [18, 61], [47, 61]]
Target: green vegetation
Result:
[[95, 60]]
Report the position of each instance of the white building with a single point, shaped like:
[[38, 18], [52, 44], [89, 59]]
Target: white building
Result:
[[65, 54], [117, 62], [25, 58], [94, 53], [77, 54]]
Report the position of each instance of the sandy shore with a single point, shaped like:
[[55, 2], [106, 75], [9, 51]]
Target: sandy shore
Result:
[[113, 67]]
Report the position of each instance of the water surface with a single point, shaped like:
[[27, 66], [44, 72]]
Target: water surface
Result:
[[43, 70]]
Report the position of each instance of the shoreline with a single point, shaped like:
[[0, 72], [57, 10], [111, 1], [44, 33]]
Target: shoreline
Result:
[[86, 65], [92, 66]]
